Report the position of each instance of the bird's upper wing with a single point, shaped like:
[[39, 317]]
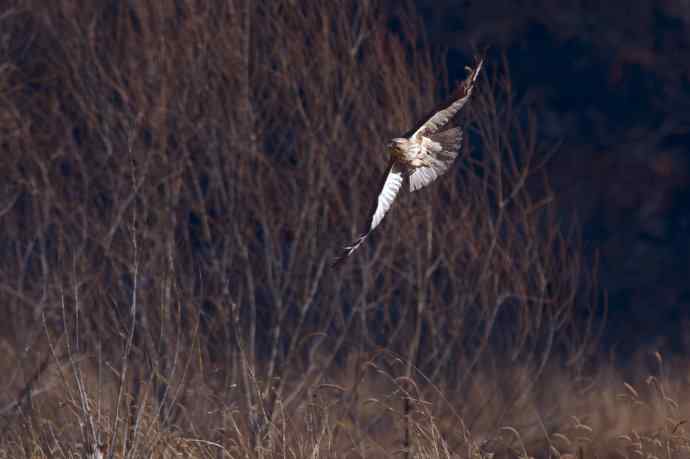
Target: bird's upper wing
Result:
[[439, 117], [392, 183]]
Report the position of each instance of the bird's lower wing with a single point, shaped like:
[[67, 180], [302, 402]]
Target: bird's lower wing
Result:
[[441, 150], [391, 186]]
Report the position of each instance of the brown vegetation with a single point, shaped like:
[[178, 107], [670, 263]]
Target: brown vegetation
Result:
[[175, 179]]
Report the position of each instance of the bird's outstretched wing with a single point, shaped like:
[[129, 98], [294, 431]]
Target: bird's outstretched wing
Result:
[[446, 112], [392, 183]]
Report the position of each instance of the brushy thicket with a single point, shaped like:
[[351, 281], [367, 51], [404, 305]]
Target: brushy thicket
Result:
[[176, 177]]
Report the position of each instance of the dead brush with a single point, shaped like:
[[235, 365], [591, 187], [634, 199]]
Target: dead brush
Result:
[[174, 176], [662, 431]]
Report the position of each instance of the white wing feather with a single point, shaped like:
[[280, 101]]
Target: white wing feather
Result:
[[439, 152], [390, 189], [422, 177]]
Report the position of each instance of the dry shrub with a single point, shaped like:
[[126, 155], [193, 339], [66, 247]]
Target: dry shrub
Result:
[[177, 176]]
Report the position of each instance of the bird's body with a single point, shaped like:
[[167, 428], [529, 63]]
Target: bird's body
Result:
[[420, 156], [410, 153]]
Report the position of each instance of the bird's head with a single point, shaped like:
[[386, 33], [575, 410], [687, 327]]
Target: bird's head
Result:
[[397, 146]]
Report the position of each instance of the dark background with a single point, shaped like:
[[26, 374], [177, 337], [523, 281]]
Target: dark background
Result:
[[611, 81], [175, 178], [236, 117]]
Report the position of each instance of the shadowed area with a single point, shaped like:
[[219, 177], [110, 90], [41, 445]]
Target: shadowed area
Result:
[[615, 90], [177, 177]]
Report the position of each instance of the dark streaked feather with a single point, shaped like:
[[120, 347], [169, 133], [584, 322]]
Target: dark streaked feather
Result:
[[444, 112], [449, 139]]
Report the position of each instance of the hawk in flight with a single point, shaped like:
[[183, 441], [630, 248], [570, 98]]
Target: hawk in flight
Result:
[[420, 156]]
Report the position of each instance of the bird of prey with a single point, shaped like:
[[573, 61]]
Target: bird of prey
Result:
[[420, 156]]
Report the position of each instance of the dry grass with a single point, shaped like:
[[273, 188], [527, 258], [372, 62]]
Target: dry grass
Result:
[[606, 417], [176, 178]]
